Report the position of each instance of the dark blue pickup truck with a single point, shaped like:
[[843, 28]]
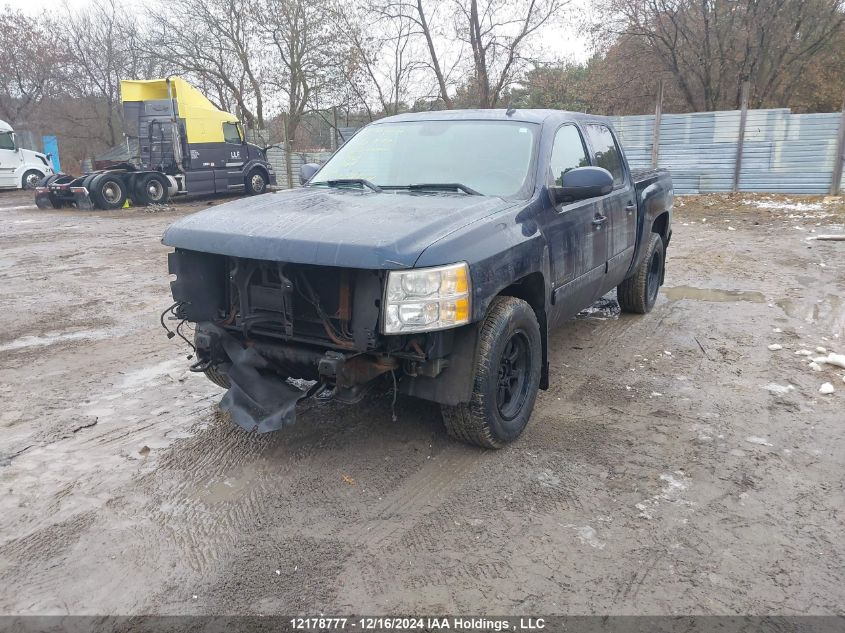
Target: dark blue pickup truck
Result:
[[434, 252]]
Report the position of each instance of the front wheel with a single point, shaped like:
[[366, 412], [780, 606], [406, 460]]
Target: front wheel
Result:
[[216, 376], [639, 291], [507, 377], [256, 182], [31, 179]]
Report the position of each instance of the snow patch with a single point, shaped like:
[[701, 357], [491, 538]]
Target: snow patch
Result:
[[762, 441], [778, 389]]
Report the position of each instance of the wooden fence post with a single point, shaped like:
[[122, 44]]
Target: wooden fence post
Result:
[[839, 157], [741, 140], [658, 115]]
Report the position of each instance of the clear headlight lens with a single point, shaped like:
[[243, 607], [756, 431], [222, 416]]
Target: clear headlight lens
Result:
[[426, 299]]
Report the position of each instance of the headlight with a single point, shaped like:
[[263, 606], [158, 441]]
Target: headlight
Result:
[[426, 299]]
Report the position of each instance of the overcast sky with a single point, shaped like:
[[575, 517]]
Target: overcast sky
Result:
[[567, 42]]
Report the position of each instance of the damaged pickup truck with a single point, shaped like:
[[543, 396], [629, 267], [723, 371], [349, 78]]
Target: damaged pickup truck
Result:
[[432, 251]]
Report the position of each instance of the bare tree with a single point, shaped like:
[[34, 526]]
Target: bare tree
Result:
[[30, 62], [302, 47], [711, 46], [380, 59], [102, 45], [213, 42], [500, 34], [421, 16]]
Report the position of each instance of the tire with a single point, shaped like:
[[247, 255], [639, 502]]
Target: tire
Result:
[[54, 202], [255, 182], [152, 189], [31, 178], [108, 192], [217, 377], [638, 292], [509, 345]]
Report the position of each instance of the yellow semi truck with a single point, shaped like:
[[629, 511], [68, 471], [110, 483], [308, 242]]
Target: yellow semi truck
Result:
[[185, 145]]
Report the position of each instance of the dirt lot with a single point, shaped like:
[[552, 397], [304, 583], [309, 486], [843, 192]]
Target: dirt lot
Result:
[[669, 469]]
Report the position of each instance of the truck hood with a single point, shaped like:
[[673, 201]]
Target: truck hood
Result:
[[35, 158], [331, 227]]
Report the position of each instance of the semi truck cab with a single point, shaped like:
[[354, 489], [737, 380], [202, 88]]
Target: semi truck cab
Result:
[[20, 168]]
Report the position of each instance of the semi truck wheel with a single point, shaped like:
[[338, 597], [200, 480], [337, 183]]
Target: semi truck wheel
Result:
[[638, 292], [31, 179], [152, 189], [507, 377], [108, 192], [256, 182]]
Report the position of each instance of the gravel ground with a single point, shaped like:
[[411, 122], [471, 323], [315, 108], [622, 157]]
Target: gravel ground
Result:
[[670, 468]]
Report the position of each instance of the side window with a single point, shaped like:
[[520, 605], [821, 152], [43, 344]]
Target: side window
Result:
[[567, 152], [231, 134], [606, 151], [6, 141]]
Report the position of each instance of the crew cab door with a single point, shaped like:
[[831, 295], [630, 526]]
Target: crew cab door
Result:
[[576, 232], [619, 206]]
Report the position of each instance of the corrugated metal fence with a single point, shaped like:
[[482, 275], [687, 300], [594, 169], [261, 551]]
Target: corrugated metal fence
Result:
[[782, 152]]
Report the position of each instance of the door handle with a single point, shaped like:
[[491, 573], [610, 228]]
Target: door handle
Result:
[[599, 220], [630, 208]]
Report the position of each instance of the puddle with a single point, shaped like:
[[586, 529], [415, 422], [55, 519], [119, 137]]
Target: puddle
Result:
[[676, 293], [231, 488], [828, 311]]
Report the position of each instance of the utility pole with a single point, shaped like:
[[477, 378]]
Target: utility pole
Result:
[[658, 115], [839, 157], [743, 116]]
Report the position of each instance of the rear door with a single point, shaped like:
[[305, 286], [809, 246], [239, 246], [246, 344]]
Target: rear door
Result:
[[575, 232], [619, 206]]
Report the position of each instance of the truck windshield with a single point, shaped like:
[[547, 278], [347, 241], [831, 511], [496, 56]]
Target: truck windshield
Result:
[[489, 157]]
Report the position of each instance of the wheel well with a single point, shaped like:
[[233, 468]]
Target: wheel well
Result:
[[532, 290], [661, 226], [260, 168]]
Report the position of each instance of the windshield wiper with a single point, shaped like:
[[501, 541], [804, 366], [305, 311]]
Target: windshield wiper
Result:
[[443, 186], [340, 182]]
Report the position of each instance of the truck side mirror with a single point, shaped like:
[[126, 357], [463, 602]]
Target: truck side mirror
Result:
[[582, 183], [306, 172]]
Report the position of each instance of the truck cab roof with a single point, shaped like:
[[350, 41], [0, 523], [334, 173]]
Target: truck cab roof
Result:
[[530, 115]]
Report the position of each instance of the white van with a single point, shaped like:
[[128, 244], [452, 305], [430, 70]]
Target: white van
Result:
[[20, 168]]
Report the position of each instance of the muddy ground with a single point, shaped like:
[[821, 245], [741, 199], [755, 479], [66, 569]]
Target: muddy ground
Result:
[[669, 469]]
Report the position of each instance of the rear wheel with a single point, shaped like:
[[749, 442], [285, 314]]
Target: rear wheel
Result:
[[507, 377], [639, 291], [31, 179], [152, 189], [255, 182], [109, 192]]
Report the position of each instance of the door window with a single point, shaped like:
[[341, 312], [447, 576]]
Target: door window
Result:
[[606, 151], [567, 152], [6, 141], [231, 134]]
